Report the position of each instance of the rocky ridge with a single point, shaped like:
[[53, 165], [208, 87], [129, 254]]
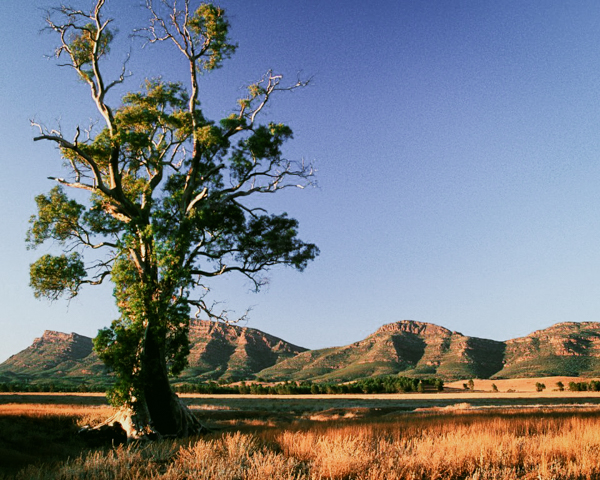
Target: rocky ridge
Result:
[[567, 348], [407, 347], [410, 348], [217, 351]]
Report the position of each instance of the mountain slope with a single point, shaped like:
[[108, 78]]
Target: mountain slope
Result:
[[407, 347], [52, 356], [229, 352], [567, 348], [216, 351]]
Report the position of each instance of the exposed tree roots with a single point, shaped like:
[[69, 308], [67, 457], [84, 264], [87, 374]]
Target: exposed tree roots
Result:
[[128, 425]]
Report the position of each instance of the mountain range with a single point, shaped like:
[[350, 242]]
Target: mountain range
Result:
[[410, 348]]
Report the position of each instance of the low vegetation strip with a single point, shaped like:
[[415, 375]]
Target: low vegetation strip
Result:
[[47, 398], [384, 384]]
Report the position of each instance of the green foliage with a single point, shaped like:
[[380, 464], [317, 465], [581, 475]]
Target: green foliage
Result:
[[592, 386], [58, 218], [272, 239], [210, 28], [158, 109], [386, 384], [82, 44], [539, 387], [98, 219], [118, 347], [53, 386], [55, 276], [439, 384]]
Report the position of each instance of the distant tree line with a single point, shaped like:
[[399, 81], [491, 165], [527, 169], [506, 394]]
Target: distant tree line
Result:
[[51, 387], [592, 386], [388, 384]]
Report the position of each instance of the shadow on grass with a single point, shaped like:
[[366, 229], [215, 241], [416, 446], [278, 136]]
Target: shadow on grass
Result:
[[27, 440]]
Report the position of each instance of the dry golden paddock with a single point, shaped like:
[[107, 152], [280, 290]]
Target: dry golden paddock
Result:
[[451, 435]]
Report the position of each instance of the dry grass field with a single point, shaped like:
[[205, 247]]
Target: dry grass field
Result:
[[461, 435], [517, 385]]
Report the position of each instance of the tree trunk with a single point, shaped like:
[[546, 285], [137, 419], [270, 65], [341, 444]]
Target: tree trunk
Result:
[[138, 425], [158, 412], [168, 415]]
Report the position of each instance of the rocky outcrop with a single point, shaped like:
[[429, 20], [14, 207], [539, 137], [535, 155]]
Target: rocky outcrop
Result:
[[219, 350]]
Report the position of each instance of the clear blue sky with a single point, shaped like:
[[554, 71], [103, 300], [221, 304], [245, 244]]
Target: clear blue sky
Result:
[[457, 146]]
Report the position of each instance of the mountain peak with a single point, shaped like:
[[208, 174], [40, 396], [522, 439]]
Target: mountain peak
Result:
[[413, 326], [52, 336]]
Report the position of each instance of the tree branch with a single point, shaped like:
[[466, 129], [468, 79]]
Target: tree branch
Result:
[[80, 153]]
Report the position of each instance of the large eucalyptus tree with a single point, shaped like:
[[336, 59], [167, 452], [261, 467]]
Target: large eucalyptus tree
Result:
[[169, 202]]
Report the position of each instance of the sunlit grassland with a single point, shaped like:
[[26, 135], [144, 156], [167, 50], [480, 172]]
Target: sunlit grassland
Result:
[[332, 437]]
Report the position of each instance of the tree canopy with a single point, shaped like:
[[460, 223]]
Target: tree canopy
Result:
[[171, 199]]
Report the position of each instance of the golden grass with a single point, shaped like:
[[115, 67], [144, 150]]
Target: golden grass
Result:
[[41, 410], [465, 446], [451, 443], [364, 437]]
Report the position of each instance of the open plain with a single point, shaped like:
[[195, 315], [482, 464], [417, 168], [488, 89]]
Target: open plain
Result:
[[455, 434]]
